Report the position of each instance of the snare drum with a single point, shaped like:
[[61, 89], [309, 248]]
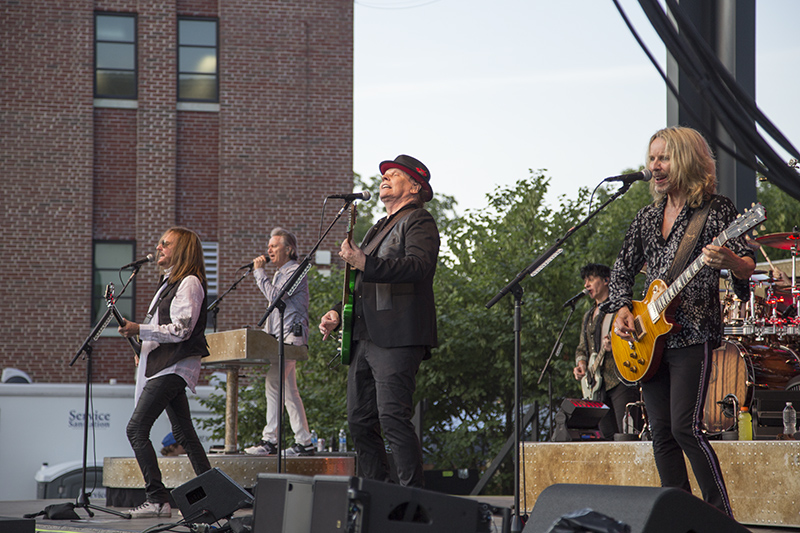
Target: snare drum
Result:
[[737, 368]]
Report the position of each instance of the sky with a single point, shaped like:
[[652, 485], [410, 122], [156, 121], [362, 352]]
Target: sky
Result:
[[483, 91]]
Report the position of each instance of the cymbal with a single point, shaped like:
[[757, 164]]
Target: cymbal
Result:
[[784, 241]]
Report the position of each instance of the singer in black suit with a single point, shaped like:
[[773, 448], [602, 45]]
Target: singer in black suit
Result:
[[394, 324]]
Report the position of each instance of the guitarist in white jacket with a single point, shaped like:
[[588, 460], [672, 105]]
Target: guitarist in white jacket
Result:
[[594, 365], [684, 182]]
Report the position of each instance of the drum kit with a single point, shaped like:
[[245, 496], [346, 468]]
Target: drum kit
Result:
[[761, 339]]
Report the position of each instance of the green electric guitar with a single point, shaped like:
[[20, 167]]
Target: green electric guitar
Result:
[[347, 297]]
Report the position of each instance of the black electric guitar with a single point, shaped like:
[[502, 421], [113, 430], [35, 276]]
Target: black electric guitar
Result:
[[638, 360], [109, 296], [347, 297]]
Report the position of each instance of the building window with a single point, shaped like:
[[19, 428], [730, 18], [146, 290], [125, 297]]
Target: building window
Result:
[[198, 79], [109, 256], [197, 60], [114, 56]]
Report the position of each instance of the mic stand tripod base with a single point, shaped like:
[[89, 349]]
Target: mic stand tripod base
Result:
[[83, 503]]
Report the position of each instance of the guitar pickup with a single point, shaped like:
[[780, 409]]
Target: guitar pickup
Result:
[[638, 329]]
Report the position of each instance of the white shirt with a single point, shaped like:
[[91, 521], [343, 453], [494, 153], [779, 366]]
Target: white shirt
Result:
[[184, 311]]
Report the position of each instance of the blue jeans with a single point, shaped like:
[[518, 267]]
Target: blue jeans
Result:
[[166, 392], [380, 387]]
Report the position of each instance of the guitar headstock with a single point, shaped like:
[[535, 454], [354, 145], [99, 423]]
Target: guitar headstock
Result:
[[108, 294], [747, 221]]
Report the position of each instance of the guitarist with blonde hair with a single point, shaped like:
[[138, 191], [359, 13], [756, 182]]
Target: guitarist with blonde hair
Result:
[[677, 229], [594, 365]]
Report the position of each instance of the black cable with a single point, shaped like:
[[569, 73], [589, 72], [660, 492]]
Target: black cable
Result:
[[736, 111]]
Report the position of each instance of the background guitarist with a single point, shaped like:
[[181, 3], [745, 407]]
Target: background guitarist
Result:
[[684, 180], [594, 340], [394, 322]]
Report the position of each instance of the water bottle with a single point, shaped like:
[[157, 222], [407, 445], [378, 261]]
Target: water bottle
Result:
[[342, 440], [745, 424], [314, 439], [789, 419]]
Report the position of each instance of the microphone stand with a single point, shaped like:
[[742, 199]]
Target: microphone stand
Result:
[[514, 287], [290, 285], [86, 347], [556, 351], [214, 306]]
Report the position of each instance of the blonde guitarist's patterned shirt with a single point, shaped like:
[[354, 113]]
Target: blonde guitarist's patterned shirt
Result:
[[698, 312]]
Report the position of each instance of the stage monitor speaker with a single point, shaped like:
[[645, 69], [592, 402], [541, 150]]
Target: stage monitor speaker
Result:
[[645, 509], [343, 503], [283, 503], [210, 497], [17, 525], [577, 420]]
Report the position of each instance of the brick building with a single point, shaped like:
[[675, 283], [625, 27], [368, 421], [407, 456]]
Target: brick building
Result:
[[122, 118]]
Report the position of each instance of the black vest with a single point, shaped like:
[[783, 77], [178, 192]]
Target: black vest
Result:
[[166, 355]]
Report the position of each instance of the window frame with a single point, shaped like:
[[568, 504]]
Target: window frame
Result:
[[134, 43], [98, 299], [179, 72]]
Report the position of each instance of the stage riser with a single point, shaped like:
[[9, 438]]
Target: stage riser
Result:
[[124, 473], [762, 477]]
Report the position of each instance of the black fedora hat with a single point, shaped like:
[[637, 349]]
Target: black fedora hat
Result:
[[414, 168]]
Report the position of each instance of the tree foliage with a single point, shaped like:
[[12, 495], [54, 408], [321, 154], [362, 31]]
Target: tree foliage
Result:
[[468, 384]]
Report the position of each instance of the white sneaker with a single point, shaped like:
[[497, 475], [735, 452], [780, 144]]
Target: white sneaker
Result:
[[262, 448], [151, 510]]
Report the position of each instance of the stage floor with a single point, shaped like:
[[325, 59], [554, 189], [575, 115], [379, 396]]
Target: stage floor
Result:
[[762, 477]]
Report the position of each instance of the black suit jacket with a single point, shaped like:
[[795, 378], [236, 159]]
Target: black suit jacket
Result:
[[395, 291]]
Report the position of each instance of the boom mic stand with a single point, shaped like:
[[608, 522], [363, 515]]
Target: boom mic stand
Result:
[[214, 306], [86, 348], [556, 351], [290, 285], [514, 287]]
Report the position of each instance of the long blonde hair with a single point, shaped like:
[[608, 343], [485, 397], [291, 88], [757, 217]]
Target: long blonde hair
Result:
[[187, 255], [692, 165]]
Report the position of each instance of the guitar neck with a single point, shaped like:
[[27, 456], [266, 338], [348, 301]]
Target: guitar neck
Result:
[[137, 347], [665, 298]]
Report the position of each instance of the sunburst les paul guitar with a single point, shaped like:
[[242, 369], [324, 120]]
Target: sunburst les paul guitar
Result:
[[638, 360], [347, 297]]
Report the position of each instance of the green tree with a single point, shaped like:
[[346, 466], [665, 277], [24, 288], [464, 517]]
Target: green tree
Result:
[[469, 380], [783, 216]]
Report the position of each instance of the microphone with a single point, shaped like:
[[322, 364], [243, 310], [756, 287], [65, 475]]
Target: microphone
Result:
[[140, 262], [352, 196], [575, 298], [627, 179], [250, 265]]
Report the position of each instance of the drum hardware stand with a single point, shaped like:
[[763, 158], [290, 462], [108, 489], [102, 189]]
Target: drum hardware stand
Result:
[[514, 287], [644, 434]]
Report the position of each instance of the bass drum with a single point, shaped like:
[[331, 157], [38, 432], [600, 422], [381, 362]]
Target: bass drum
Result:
[[739, 367]]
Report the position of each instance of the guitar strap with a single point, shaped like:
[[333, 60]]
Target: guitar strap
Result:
[[376, 241], [689, 241]]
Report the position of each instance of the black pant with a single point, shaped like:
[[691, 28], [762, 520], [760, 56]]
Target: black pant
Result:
[[166, 392], [380, 386], [616, 399], [675, 399]]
